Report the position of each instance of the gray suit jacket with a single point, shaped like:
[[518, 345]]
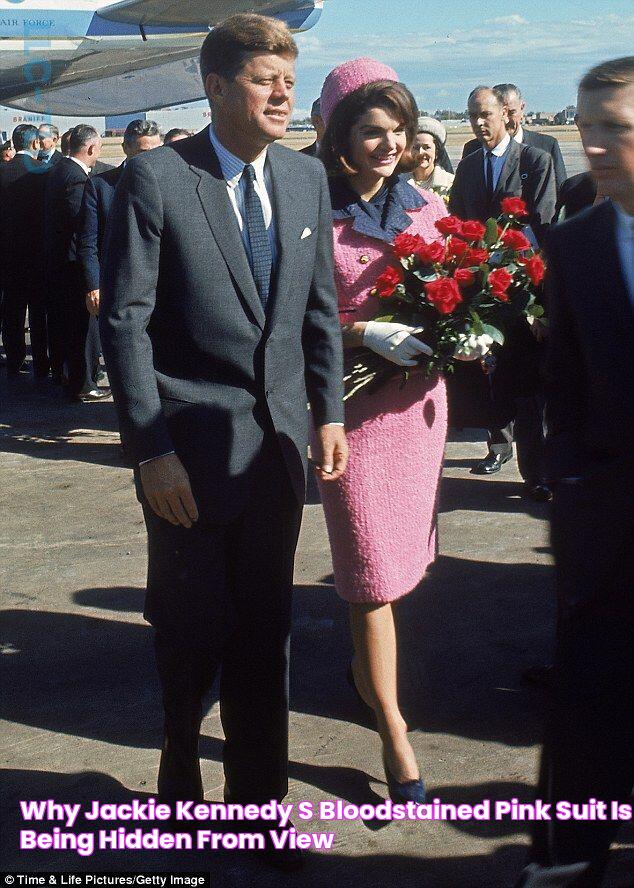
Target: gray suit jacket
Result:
[[195, 364], [527, 173], [544, 142]]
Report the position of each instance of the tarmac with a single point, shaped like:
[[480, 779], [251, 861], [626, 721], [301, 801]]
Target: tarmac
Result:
[[80, 700]]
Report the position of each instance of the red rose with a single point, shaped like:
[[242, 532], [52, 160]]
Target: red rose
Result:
[[405, 244], [475, 257], [387, 281], [515, 240], [534, 268], [514, 206], [499, 281], [430, 253], [443, 294], [449, 225], [464, 276], [473, 230], [457, 248]]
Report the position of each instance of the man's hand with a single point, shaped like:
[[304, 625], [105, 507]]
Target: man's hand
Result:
[[92, 302], [330, 456], [168, 491]]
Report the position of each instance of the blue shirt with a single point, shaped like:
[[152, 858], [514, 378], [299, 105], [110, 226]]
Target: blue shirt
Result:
[[232, 168]]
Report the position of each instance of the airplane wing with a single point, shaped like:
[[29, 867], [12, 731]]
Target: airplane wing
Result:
[[298, 14], [104, 83], [132, 56]]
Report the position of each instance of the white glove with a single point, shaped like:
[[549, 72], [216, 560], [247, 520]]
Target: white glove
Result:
[[395, 342], [472, 348]]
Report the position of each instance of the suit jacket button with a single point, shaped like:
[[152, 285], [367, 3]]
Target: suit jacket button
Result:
[[364, 259]]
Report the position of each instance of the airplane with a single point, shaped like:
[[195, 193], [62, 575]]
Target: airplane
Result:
[[92, 58]]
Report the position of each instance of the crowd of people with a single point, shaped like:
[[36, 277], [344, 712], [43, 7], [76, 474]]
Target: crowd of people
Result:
[[54, 198], [229, 275]]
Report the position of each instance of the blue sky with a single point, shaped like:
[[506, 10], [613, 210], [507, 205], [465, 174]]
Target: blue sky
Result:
[[442, 49]]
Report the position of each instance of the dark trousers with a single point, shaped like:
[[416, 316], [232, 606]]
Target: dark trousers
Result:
[[589, 746], [17, 298], [73, 334], [219, 597], [527, 429]]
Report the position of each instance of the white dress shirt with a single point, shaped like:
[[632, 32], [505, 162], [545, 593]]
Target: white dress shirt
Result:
[[499, 156], [625, 246], [519, 135], [81, 164]]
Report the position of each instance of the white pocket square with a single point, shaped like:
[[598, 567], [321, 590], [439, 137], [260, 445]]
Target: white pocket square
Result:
[[306, 233]]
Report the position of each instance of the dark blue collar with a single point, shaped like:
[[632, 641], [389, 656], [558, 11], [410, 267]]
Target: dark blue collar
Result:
[[383, 220]]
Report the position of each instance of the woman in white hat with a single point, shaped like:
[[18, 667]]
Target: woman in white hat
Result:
[[428, 150]]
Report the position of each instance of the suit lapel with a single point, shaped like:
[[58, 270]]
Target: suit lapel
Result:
[[285, 206], [508, 170], [212, 192], [611, 275], [479, 185]]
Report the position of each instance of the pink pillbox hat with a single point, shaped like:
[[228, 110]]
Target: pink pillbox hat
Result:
[[349, 76]]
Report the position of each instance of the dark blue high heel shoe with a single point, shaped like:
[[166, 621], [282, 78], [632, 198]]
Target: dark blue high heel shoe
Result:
[[401, 793]]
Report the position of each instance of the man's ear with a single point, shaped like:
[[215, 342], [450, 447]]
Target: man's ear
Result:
[[214, 87], [505, 113]]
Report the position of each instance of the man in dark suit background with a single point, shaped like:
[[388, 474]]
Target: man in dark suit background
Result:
[[139, 136], [317, 121], [219, 320], [589, 747], [510, 405], [68, 318], [21, 233], [511, 97], [49, 145]]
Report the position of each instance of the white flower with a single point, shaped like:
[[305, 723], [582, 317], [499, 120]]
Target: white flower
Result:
[[471, 347]]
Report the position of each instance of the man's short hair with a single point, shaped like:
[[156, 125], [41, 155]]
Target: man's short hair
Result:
[[138, 129], [315, 110], [52, 131], [229, 43], [611, 74], [23, 136], [175, 132], [480, 89], [504, 90], [80, 136]]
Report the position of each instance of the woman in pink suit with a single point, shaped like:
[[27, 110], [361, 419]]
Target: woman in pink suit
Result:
[[381, 515]]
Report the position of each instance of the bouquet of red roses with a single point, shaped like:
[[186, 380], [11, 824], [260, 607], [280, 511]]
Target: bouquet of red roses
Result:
[[464, 293]]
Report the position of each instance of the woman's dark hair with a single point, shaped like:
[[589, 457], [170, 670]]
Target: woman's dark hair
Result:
[[442, 156], [392, 97]]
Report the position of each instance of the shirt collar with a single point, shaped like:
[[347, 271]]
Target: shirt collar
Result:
[[519, 135], [80, 163], [231, 166], [500, 149]]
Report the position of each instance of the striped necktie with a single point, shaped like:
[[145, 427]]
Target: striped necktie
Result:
[[261, 259]]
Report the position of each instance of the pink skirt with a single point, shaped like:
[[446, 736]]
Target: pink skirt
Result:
[[381, 515]]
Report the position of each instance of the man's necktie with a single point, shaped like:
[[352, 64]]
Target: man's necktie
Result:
[[261, 256], [490, 186]]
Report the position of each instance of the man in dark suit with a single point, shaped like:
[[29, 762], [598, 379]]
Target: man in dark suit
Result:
[[50, 152], [316, 119], [21, 234], [68, 317], [511, 97], [219, 320], [589, 747], [502, 168], [139, 136]]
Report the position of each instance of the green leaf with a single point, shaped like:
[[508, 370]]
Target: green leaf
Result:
[[495, 334], [491, 234], [536, 310], [385, 319]]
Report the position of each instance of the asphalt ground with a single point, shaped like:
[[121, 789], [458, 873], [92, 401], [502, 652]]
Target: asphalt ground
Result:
[[80, 708]]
